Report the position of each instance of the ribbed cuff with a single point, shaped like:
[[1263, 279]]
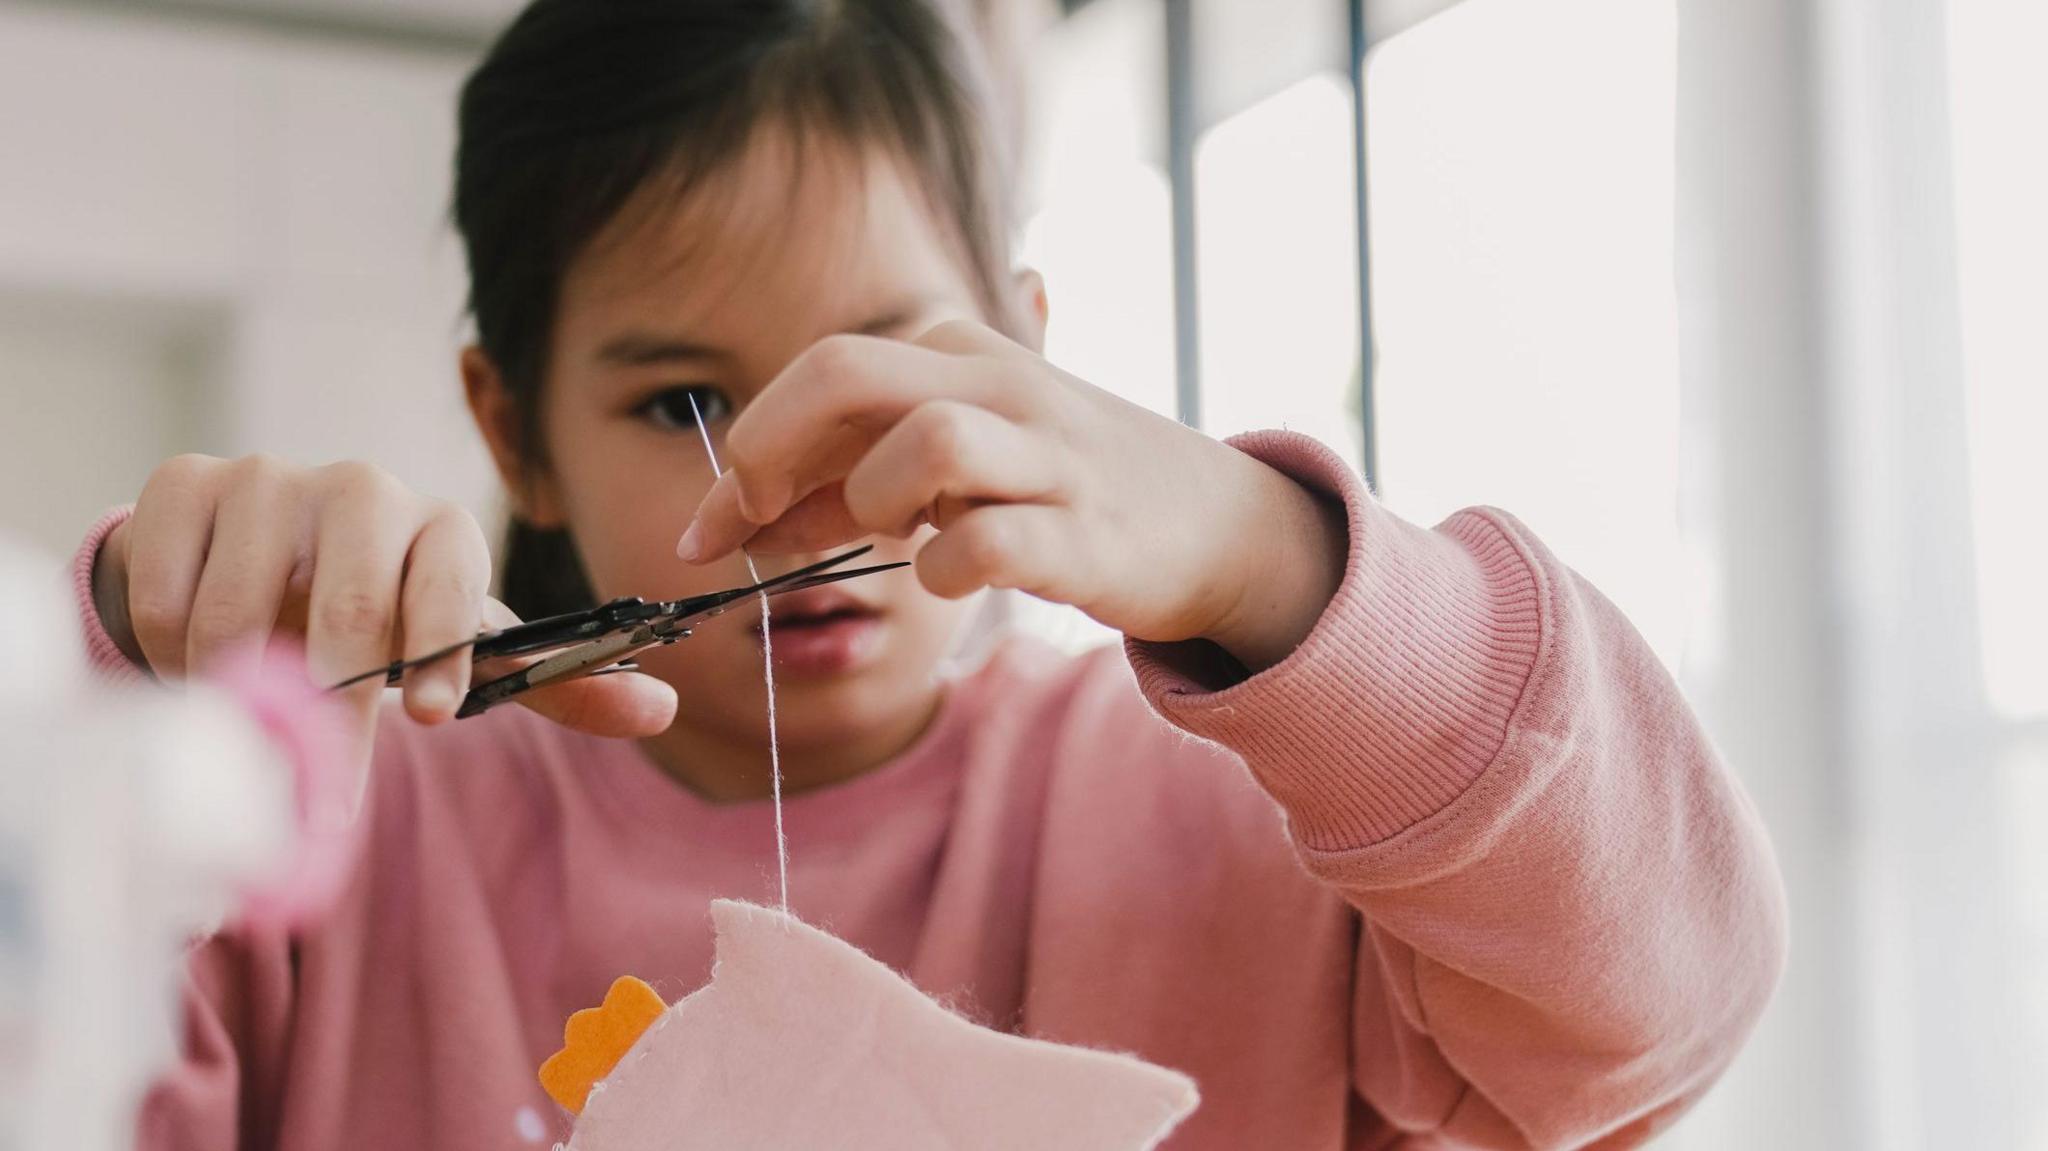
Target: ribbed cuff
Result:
[[102, 654], [1400, 696]]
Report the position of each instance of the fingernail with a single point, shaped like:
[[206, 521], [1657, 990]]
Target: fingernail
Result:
[[435, 695], [692, 543]]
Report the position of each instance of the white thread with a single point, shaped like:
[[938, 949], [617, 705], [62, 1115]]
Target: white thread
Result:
[[767, 677]]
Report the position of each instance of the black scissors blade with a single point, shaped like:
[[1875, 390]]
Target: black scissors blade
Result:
[[823, 578], [554, 633], [605, 655], [809, 575], [549, 633]]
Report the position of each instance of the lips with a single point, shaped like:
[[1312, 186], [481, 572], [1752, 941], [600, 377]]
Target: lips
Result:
[[822, 633], [816, 607]]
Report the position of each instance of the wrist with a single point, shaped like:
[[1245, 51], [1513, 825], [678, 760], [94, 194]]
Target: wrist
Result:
[[1294, 547], [110, 593]]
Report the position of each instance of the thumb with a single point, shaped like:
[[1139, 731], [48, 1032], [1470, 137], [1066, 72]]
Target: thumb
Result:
[[620, 705]]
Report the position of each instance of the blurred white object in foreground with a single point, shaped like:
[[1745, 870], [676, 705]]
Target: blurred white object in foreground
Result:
[[129, 822]]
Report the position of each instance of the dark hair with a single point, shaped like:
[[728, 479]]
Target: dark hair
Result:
[[582, 104]]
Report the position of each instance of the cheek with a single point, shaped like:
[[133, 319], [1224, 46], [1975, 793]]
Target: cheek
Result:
[[627, 495], [939, 621]]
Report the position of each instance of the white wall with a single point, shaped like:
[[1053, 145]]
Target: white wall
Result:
[[252, 221], [97, 390]]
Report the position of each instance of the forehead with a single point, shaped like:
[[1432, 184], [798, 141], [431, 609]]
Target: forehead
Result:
[[796, 238]]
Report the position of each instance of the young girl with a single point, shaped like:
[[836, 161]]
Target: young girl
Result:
[[1447, 862]]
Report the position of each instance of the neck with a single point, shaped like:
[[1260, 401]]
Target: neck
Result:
[[729, 767]]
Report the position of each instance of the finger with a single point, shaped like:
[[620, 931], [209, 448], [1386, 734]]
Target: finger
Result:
[[248, 565], [167, 543], [441, 604], [814, 523], [718, 526], [951, 451], [809, 426], [1002, 545], [496, 616], [361, 539], [965, 338], [621, 705]]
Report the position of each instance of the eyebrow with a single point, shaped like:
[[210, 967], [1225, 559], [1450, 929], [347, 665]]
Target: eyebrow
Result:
[[642, 349], [638, 349]]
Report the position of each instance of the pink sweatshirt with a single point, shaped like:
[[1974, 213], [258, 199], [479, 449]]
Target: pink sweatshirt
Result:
[[1461, 871]]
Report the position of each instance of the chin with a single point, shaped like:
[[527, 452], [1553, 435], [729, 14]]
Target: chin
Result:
[[835, 681], [823, 710]]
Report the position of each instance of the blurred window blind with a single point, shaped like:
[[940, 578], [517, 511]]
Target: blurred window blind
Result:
[[1997, 92]]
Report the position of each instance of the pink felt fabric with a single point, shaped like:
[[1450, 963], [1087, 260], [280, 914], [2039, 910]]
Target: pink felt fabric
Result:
[[311, 730], [1461, 871], [802, 1041]]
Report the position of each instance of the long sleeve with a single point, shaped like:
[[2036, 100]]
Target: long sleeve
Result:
[[1572, 917], [102, 654]]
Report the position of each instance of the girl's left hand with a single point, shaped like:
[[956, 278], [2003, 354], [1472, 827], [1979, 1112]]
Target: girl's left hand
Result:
[[1035, 480]]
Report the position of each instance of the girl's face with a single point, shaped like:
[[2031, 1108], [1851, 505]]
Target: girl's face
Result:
[[710, 296]]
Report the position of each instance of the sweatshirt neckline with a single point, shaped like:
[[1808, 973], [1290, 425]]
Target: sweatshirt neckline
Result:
[[640, 793]]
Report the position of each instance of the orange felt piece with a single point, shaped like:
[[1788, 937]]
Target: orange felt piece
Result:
[[596, 1038]]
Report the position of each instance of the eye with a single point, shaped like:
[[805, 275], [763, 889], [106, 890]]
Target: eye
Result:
[[669, 408]]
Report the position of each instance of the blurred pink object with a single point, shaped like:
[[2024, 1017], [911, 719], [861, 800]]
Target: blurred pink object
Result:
[[311, 731]]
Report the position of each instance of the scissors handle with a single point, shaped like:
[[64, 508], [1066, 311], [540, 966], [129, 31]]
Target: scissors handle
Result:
[[590, 659]]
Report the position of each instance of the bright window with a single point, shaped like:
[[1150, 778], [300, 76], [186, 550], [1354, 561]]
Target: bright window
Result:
[[2001, 166], [1521, 176], [1101, 228], [1277, 266], [1998, 90]]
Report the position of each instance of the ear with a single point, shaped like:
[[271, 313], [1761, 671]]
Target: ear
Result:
[[491, 404], [1029, 287]]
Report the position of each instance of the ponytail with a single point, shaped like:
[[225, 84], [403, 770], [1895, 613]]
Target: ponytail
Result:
[[541, 574]]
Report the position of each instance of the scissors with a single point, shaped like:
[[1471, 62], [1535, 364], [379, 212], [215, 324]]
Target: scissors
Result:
[[604, 639]]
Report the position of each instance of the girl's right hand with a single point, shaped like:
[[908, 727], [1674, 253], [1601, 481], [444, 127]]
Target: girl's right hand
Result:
[[221, 553]]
